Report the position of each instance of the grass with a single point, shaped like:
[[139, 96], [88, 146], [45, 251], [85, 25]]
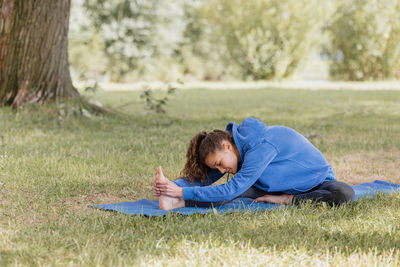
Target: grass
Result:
[[52, 168]]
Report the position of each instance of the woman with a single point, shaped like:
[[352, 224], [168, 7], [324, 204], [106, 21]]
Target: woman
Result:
[[271, 164]]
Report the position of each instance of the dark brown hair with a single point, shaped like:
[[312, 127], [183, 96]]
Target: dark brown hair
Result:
[[200, 146]]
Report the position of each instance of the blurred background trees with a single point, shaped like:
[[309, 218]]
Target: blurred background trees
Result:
[[364, 40], [132, 40], [265, 39]]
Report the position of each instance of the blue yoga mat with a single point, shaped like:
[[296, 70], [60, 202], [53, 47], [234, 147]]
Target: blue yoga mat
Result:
[[150, 207]]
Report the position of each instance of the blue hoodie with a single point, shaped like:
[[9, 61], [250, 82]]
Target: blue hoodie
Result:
[[273, 159]]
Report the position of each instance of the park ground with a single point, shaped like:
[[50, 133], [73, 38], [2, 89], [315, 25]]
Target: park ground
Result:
[[54, 163]]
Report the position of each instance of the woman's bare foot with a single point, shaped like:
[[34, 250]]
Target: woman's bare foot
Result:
[[166, 202], [276, 199], [170, 203]]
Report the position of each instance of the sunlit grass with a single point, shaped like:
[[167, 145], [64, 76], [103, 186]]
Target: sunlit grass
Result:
[[52, 168]]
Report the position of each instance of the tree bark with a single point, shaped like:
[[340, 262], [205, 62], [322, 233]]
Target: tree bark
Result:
[[34, 64]]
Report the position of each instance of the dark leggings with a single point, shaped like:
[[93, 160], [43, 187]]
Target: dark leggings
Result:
[[332, 192]]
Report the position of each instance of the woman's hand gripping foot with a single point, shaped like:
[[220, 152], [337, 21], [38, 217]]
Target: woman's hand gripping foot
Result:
[[169, 194]]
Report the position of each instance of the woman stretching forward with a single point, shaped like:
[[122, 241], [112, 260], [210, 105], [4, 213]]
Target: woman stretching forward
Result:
[[270, 164]]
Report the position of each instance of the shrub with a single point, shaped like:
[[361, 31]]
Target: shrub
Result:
[[364, 40], [265, 38]]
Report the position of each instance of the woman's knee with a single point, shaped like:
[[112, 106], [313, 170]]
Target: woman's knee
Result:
[[343, 193]]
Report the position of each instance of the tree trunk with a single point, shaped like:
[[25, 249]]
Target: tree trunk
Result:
[[34, 64]]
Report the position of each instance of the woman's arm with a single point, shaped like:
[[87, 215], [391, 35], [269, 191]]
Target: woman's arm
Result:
[[255, 161], [213, 176]]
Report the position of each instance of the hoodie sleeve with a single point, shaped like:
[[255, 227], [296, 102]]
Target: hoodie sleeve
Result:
[[255, 161], [213, 176]]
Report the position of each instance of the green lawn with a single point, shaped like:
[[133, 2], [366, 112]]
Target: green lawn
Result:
[[51, 168]]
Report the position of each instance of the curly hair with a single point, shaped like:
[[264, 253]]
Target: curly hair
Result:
[[200, 146]]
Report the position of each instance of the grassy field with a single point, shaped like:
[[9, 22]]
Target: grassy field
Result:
[[52, 167]]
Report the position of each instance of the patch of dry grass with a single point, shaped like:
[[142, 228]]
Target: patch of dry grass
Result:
[[367, 166]]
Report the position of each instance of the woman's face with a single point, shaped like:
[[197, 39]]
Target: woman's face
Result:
[[225, 160]]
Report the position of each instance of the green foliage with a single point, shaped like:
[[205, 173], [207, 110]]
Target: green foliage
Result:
[[86, 48], [137, 34], [204, 39], [365, 37], [153, 103], [199, 55], [87, 56], [124, 41], [266, 39]]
